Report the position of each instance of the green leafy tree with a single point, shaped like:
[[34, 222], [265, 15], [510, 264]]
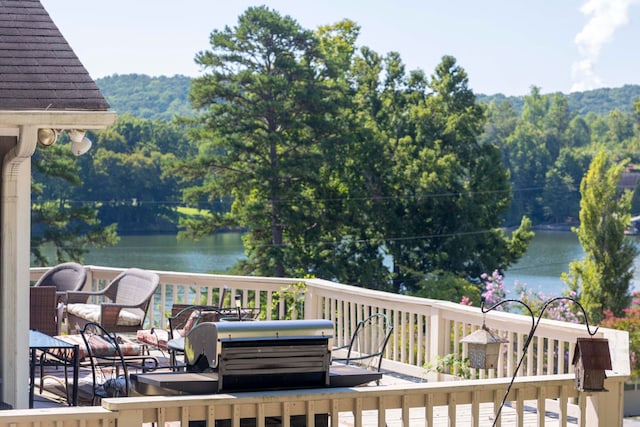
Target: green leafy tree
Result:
[[126, 174], [535, 108], [336, 158], [59, 223], [599, 129], [556, 125], [562, 186], [530, 151], [620, 127], [451, 190], [406, 192], [579, 133], [353, 188], [147, 97], [501, 122], [603, 278]]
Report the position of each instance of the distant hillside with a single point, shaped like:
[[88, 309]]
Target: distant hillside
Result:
[[147, 97], [165, 97], [598, 101]]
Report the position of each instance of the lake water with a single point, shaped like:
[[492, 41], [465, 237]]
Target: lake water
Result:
[[166, 252], [549, 255]]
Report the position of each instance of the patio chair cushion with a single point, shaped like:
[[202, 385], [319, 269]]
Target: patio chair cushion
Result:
[[101, 347], [157, 338], [91, 312], [196, 317], [160, 337]]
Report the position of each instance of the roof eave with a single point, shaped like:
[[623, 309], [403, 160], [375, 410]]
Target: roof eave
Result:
[[57, 119]]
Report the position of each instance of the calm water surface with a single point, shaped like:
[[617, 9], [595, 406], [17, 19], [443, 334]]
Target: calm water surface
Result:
[[549, 255], [165, 252]]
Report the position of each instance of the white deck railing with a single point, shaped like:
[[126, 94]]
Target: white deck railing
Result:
[[423, 330], [540, 401]]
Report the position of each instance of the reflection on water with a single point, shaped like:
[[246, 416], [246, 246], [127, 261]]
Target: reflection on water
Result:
[[210, 254]]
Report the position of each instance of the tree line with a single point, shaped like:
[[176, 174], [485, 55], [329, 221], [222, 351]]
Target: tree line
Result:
[[336, 160], [163, 97]]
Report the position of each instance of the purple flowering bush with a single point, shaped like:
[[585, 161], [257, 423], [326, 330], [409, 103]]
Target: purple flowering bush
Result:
[[494, 288], [562, 309]]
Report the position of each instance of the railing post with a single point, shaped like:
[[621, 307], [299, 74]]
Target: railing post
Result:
[[129, 417], [311, 304], [606, 409], [438, 337], [89, 283]]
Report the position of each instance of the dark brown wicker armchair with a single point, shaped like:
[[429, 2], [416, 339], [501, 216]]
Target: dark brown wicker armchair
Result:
[[121, 306], [43, 314]]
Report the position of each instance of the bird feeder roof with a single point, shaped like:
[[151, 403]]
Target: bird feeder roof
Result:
[[483, 336]]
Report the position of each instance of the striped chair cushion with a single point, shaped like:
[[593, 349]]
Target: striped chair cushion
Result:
[[101, 347], [157, 338], [91, 312]]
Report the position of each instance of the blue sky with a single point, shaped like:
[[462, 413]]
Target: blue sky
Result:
[[506, 46]]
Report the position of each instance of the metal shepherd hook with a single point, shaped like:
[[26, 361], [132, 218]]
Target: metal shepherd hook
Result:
[[532, 331]]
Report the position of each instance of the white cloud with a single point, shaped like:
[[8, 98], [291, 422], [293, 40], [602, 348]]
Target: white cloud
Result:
[[606, 16]]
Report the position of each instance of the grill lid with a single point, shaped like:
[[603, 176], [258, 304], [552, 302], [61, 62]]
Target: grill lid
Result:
[[274, 329]]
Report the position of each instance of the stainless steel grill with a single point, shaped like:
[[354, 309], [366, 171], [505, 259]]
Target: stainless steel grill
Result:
[[262, 354], [250, 356]]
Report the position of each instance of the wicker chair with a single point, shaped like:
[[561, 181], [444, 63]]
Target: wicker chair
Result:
[[43, 313], [122, 304], [68, 276]]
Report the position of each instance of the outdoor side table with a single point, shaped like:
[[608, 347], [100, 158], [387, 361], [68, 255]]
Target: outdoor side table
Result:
[[60, 352]]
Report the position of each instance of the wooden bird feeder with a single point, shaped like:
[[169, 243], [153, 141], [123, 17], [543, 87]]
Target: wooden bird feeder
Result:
[[483, 348], [591, 358]]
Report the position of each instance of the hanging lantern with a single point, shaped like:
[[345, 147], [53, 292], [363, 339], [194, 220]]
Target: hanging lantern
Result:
[[591, 358], [483, 348]]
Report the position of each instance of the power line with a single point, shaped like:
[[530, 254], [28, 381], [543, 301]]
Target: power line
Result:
[[331, 199]]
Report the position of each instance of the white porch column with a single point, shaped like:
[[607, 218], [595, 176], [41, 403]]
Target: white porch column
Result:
[[14, 271]]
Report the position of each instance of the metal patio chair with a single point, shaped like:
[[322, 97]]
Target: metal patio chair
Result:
[[368, 342], [109, 371]]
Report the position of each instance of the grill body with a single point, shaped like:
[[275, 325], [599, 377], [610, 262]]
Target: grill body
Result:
[[262, 355]]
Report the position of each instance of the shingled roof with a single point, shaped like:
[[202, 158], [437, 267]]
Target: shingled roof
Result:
[[38, 68]]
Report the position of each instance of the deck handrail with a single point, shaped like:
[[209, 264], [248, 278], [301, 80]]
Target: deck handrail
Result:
[[424, 329]]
